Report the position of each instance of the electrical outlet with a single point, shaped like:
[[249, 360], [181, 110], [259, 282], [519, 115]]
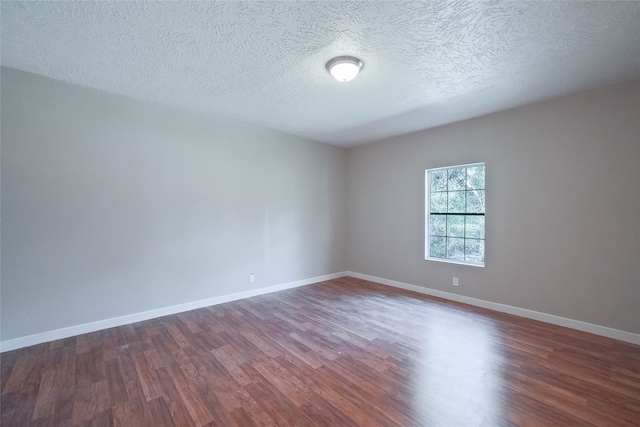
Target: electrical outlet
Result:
[[252, 278], [455, 281]]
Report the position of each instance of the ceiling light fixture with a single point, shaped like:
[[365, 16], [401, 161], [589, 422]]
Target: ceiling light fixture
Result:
[[344, 68]]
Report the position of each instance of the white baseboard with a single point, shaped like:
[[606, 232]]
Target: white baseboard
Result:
[[522, 312], [71, 331], [57, 334]]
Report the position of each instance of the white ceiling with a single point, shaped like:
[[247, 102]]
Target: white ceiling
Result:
[[263, 63]]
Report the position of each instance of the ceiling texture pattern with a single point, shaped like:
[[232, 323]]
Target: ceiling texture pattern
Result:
[[263, 63]]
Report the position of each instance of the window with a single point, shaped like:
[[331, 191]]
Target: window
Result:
[[455, 211]]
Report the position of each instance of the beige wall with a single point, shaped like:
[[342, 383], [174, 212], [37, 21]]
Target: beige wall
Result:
[[111, 206], [563, 207]]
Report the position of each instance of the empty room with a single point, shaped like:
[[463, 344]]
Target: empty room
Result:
[[320, 213]]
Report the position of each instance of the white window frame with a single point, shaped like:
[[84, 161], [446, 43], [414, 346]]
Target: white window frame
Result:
[[427, 216]]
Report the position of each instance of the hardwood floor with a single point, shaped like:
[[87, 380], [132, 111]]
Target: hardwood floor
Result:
[[341, 353]]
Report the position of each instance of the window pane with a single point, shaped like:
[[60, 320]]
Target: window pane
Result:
[[455, 226], [474, 227], [438, 180], [438, 225], [438, 247], [475, 177], [475, 201], [456, 179], [455, 248], [474, 250], [439, 202], [457, 201]]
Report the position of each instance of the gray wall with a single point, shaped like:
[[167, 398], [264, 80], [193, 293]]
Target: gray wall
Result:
[[111, 206], [563, 207]]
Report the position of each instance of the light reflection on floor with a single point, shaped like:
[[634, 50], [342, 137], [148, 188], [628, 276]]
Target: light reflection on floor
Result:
[[457, 375]]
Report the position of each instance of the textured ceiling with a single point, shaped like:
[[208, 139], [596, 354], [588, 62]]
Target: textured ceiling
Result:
[[426, 64]]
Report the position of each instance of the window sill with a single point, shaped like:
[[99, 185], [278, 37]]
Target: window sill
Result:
[[452, 261]]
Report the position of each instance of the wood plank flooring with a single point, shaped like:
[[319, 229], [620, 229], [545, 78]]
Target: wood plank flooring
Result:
[[340, 353]]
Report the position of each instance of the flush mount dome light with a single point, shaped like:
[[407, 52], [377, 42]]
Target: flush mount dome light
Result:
[[344, 68]]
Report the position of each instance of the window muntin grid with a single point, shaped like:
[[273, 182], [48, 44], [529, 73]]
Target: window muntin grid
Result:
[[455, 214]]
